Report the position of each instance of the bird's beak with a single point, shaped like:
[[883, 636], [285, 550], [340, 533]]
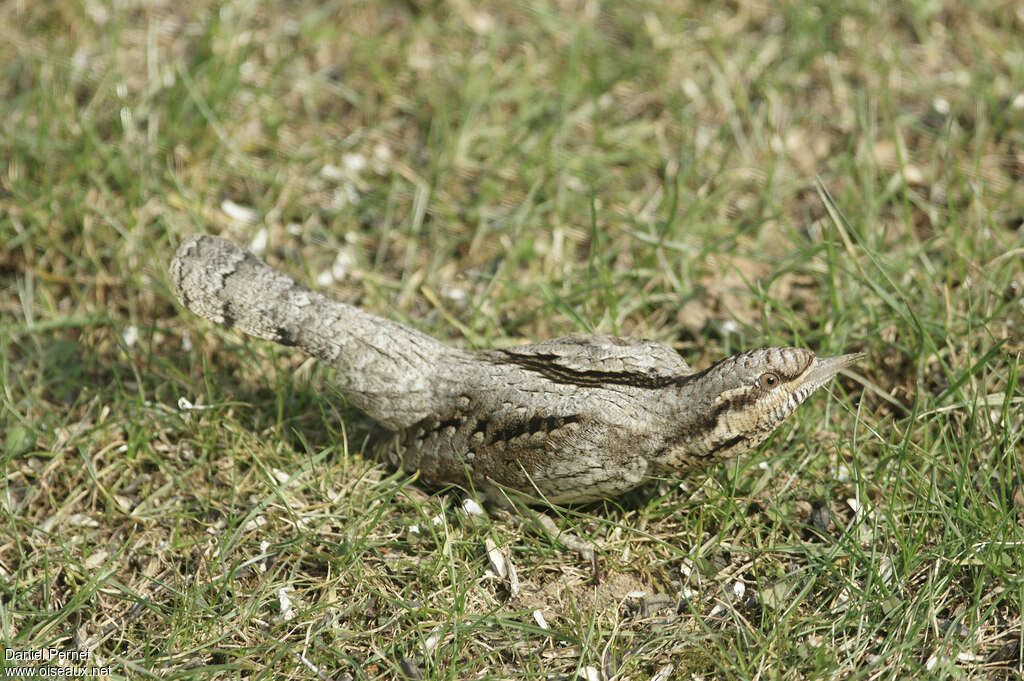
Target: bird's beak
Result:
[[824, 368]]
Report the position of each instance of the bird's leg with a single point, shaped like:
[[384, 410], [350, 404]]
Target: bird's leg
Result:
[[521, 515]]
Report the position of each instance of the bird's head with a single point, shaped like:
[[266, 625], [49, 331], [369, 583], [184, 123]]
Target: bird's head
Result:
[[734, 405]]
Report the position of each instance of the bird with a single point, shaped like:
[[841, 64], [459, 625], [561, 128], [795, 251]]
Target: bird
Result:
[[567, 420]]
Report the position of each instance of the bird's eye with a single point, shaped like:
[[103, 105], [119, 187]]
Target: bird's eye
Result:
[[769, 380]]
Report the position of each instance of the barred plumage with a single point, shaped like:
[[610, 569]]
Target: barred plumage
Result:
[[570, 419]]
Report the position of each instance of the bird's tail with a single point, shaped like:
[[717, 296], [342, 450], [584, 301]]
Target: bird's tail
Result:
[[386, 369]]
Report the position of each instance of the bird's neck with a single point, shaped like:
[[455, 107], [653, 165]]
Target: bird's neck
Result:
[[709, 425]]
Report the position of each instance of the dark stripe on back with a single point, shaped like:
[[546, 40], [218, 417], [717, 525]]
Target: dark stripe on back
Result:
[[548, 367]]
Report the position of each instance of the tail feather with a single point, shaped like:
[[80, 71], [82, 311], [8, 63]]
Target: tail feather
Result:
[[388, 370]]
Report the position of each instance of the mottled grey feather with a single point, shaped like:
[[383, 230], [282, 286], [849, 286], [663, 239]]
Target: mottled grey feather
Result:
[[569, 419]]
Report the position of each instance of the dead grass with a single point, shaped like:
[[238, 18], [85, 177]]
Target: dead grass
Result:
[[717, 178]]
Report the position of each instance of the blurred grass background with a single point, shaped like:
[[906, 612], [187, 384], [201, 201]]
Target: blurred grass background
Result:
[[717, 176]]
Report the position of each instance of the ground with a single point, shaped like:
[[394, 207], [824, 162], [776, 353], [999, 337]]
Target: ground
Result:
[[182, 502]]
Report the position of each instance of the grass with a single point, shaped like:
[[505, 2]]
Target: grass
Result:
[[836, 177]]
